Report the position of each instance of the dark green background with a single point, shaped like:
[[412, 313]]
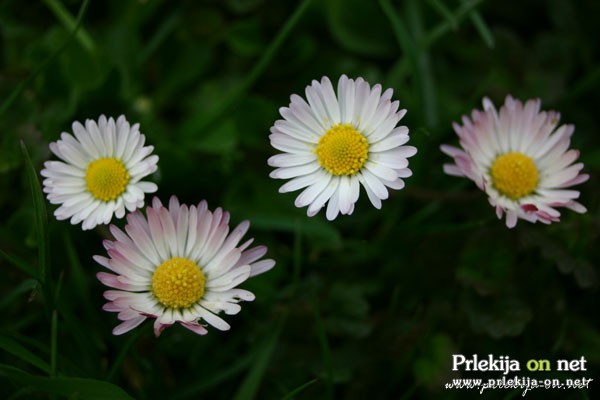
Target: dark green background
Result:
[[371, 305]]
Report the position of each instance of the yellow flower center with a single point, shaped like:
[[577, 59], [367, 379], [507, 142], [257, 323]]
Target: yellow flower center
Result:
[[342, 150], [514, 175], [178, 283], [106, 178]]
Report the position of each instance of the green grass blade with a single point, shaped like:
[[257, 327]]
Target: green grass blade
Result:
[[167, 27], [482, 28], [219, 377], [201, 122], [251, 383], [80, 388], [19, 89], [586, 84], [122, 354], [15, 348], [53, 343], [314, 229], [418, 61], [402, 35], [297, 254], [70, 24], [445, 12], [23, 393], [299, 389], [21, 264], [41, 219], [28, 285], [79, 277], [444, 27], [426, 80]]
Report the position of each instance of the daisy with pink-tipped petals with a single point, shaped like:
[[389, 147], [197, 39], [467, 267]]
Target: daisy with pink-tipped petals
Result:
[[178, 264], [520, 157]]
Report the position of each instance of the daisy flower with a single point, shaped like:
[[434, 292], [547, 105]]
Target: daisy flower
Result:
[[99, 175], [520, 159], [178, 264], [333, 144]]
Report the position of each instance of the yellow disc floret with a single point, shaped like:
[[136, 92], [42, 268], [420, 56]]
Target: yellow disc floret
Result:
[[514, 175], [178, 283], [342, 150], [106, 178]]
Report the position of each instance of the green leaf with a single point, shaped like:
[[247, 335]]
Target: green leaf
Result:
[[81, 388], [15, 348]]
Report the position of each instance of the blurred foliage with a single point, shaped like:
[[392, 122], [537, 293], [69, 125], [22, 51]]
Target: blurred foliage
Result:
[[368, 306]]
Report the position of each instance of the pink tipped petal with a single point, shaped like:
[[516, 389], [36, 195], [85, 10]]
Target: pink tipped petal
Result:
[[194, 327], [160, 240], [518, 127], [128, 325]]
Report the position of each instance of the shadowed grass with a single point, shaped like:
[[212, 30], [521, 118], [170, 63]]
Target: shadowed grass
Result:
[[41, 221], [71, 24], [299, 390], [201, 123], [250, 385], [325, 349], [118, 361], [19, 89], [15, 348], [482, 28], [21, 264], [445, 12], [80, 388], [444, 27], [418, 58]]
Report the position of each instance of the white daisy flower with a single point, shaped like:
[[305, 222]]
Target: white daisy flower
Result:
[[334, 144], [178, 264], [100, 172], [520, 159]]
